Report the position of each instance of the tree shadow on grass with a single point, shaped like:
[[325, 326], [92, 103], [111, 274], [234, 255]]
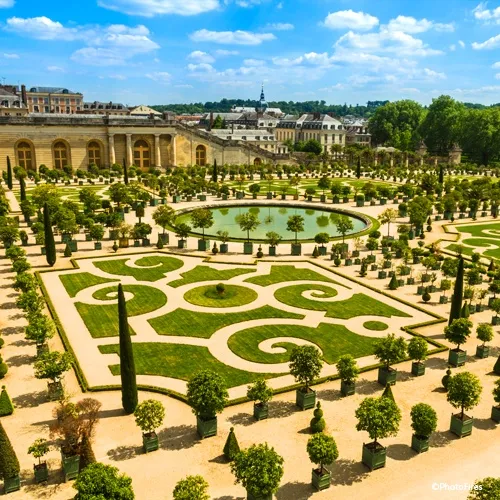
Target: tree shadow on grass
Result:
[[485, 424], [368, 387], [124, 453], [400, 452], [295, 490], [281, 409], [242, 418], [441, 439], [178, 438], [347, 472], [30, 400], [20, 360]]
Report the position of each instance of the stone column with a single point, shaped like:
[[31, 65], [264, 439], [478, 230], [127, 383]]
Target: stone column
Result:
[[130, 158], [174, 154], [157, 150], [111, 142]]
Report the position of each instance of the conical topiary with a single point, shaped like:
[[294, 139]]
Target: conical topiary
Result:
[[159, 244], [318, 423], [67, 251], [3, 368], [496, 368], [393, 284], [231, 448], [315, 252], [465, 312], [491, 267], [446, 379], [388, 392], [9, 464], [6, 406]]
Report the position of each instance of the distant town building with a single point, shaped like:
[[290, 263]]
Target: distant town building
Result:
[[357, 131], [104, 108], [11, 104], [261, 138], [53, 100], [142, 110]]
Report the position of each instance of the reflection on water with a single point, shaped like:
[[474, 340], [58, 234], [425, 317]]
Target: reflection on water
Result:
[[274, 219]]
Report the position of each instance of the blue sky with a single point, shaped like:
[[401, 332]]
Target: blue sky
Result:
[[161, 51]]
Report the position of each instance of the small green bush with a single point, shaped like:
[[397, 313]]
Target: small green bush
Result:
[[6, 406], [231, 448], [318, 423]]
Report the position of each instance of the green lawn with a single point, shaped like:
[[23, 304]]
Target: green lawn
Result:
[[465, 250], [358, 305], [154, 267], [377, 326], [233, 296], [76, 282], [205, 273], [204, 325], [477, 229], [102, 320], [181, 362], [281, 274], [333, 340]]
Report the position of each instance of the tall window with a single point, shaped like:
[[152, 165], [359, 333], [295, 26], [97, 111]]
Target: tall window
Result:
[[201, 156], [60, 154], [142, 155], [94, 153], [258, 161], [25, 156]]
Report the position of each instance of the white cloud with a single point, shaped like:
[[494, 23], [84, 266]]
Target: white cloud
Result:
[[150, 8], [253, 62], [497, 76], [11, 56], [432, 75], [462, 44], [280, 5], [183, 86], [280, 26], [491, 43], [348, 19], [55, 68], [5, 4], [159, 76], [224, 53], [231, 37], [408, 24], [201, 68], [496, 65], [453, 47], [92, 56], [249, 3], [41, 28], [200, 56], [487, 16], [313, 58], [117, 77]]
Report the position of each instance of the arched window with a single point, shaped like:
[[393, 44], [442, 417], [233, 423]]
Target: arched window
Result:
[[60, 154], [94, 153], [25, 156], [201, 156], [142, 154], [258, 161]]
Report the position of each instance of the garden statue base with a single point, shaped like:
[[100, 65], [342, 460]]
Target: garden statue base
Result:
[[41, 472], [419, 443], [374, 455], [461, 426], [387, 376], [206, 427], [150, 442], [321, 479], [260, 411], [457, 357], [305, 400], [417, 369]]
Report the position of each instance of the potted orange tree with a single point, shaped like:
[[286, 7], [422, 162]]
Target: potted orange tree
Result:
[[348, 371], [484, 332], [305, 366], [261, 394], [322, 450], [423, 423], [51, 365], [457, 333], [149, 415], [389, 350], [38, 449], [418, 351]]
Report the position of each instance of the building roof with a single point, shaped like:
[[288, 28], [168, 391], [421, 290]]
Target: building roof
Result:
[[5, 93], [144, 110], [104, 105], [52, 90]]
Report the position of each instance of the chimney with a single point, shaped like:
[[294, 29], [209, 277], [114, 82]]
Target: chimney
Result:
[[317, 116], [211, 122], [23, 95]]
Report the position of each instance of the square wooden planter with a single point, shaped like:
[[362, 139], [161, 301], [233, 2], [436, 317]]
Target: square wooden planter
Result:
[[322, 251], [165, 238], [461, 427], [206, 427], [248, 248], [457, 357], [182, 244], [387, 376], [11, 484], [347, 388], [374, 456], [419, 443], [482, 351], [97, 245], [224, 248], [272, 251], [203, 245], [321, 480], [417, 369], [495, 414], [71, 466], [150, 442], [41, 472], [443, 299], [296, 249], [305, 400], [260, 411]]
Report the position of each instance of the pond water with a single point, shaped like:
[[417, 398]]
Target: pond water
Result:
[[274, 218]]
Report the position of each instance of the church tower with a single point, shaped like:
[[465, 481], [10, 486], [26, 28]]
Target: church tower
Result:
[[262, 106]]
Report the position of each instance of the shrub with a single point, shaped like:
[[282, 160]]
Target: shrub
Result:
[[418, 348], [347, 368], [3, 368], [484, 332], [496, 392], [231, 448], [207, 394], [260, 392], [388, 392], [87, 455], [446, 379], [464, 391], [423, 419], [305, 364], [39, 448], [103, 481], [390, 350], [149, 415], [6, 406], [191, 488], [485, 489], [9, 464], [52, 365], [458, 331], [322, 450], [380, 417], [318, 423]]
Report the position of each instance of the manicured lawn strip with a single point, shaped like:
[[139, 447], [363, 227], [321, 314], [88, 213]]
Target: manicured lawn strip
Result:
[[333, 340], [76, 282], [465, 250], [181, 362], [482, 242], [376, 326], [281, 274], [204, 325], [205, 273], [119, 267], [358, 305], [477, 229], [233, 296], [102, 320]]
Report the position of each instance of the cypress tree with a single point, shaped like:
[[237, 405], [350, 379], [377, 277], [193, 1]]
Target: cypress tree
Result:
[[6, 406], [22, 188], [9, 464], [9, 174], [458, 292], [50, 244], [358, 170], [125, 172], [214, 173], [127, 365], [441, 174], [231, 448]]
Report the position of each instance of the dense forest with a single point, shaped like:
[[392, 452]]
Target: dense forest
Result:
[[289, 107]]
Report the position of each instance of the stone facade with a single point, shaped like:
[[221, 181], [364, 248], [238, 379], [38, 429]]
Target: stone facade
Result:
[[81, 140]]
